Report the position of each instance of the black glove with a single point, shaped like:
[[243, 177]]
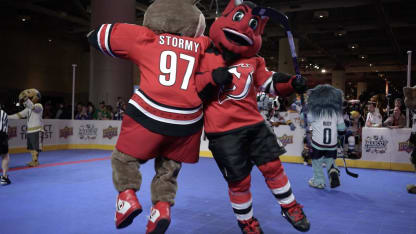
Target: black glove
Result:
[[299, 84], [280, 77], [221, 76]]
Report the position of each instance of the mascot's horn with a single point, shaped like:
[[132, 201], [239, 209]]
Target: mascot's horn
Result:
[[231, 5]]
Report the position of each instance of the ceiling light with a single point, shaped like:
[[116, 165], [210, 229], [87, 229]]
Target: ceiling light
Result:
[[323, 70], [320, 14], [340, 33], [362, 56], [370, 64], [353, 46], [24, 18]]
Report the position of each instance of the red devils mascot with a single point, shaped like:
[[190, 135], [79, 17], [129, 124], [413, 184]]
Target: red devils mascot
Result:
[[237, 133]]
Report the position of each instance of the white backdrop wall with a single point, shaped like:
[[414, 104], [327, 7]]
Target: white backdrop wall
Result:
[[382, 148]]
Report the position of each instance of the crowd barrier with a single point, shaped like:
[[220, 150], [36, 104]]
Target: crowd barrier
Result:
[[382, 148]]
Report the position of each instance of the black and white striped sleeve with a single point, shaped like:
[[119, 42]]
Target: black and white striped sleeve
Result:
[[116, 40], [3, 121], [276, 78], [100, 39]]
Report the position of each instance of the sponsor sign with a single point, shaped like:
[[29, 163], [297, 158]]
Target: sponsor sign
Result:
[[286, 139], [87, 132], [375, 144], [66, 132], [110, 132], [405, 147]]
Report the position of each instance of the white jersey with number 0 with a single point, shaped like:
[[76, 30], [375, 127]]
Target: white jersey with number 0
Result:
[[325, 130]]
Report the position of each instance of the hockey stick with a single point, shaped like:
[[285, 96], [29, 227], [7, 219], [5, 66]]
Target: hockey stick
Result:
[[341, 154], [352, 174], [280, 18]]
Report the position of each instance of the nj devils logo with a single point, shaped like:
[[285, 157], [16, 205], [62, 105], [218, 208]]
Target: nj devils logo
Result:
[[242, 79]]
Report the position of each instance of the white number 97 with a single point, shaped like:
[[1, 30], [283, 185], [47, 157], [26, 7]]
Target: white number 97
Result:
[[171, 70]]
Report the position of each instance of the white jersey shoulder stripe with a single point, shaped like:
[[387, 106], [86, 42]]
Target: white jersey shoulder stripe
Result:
[[164, 120], [98, 39], [166, 109], [107, 39]]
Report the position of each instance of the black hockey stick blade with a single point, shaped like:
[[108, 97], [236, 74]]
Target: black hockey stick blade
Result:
[[348, 171]]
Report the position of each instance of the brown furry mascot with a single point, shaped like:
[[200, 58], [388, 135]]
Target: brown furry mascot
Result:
[[30, 99], [163, 119], [410, 102]]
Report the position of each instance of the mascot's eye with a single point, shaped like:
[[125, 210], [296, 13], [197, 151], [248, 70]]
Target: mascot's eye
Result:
[[239, 15], [253, 23]]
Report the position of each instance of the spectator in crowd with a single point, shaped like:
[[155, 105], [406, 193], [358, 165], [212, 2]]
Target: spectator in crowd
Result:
[[374, 118], [60, 112], [91, 110], [99, 113], [47, 112], [398, 102], [397, 120], [118, 114], [108, 114], [83, 114], [78, 108]]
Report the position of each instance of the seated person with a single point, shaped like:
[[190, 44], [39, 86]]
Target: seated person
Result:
[[397, 120], [374, 118]]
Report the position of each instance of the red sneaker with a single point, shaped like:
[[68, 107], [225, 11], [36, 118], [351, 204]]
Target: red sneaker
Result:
[[159, 219], [127, 208], [251, 226]]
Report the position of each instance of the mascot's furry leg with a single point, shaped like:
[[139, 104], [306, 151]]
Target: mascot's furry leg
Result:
[[35, 156], [333, 172], [127, 180], [164, 187], [318, 179]]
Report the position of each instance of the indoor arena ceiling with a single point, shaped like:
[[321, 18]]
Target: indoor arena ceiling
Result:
[[367, 38]]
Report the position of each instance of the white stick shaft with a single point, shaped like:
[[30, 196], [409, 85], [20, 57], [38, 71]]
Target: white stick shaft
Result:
[[409, 66], [74, 66]]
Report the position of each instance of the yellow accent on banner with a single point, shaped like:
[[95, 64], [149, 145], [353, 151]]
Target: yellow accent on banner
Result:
[[350, 163], [64, 147], [208, 154]]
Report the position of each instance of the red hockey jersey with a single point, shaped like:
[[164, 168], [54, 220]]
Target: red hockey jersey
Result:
[[167, 101], [235, 106]]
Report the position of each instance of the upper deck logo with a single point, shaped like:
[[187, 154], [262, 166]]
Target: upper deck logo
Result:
[[405, 146], [66, 132], [110, 132], [285, 139]]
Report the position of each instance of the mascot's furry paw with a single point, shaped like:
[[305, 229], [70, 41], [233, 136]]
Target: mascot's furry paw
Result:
[[411, 188]]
